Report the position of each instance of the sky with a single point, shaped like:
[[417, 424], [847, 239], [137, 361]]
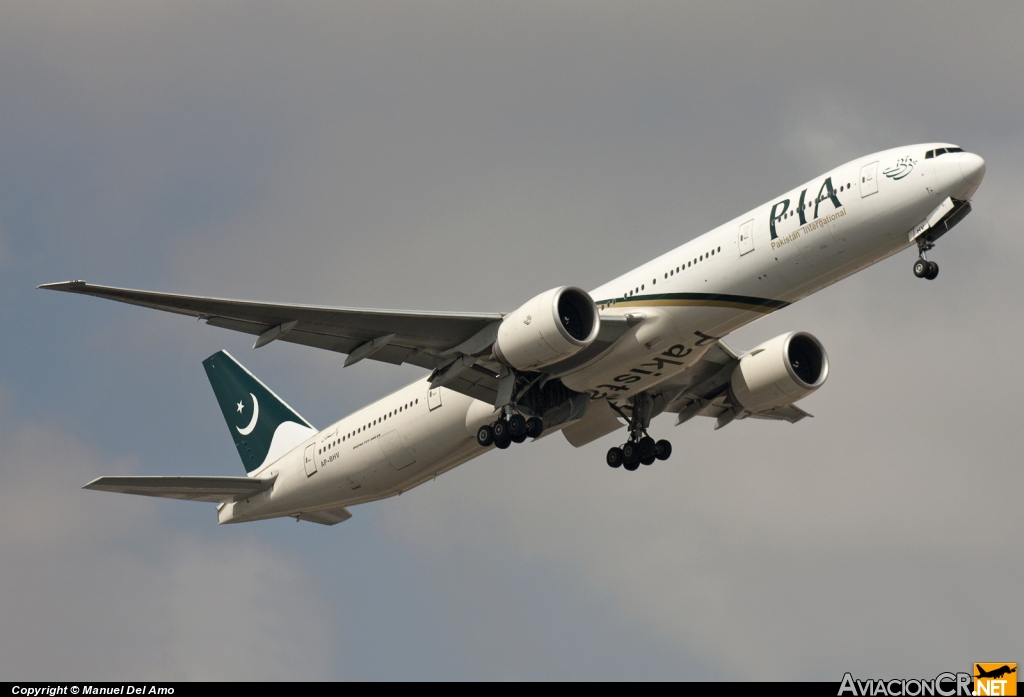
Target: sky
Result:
[[465, 157]]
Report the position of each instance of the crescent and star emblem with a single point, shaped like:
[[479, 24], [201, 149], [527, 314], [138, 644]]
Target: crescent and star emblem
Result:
[[255, 415]]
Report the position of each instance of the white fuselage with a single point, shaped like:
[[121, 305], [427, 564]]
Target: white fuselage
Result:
[[756, 263]]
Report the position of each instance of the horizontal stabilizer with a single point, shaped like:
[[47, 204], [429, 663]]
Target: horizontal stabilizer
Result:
[[212, 489]]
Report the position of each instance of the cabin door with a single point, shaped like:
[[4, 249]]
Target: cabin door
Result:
[[746, 238], [310, 459]]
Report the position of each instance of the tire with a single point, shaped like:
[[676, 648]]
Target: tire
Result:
[[631, 466], [647, 447], [630, 455], [485, 436], [647, 460], [519, 439], [534, 427], [663, 450], [933, 271], [921, 268], [502, 444], [516, 425], [500, 430], [614, 457]]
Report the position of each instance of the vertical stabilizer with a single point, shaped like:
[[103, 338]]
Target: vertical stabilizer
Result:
[[262, 426]]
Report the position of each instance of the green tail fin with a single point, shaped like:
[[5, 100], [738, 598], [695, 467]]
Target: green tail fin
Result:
[[263, 427]]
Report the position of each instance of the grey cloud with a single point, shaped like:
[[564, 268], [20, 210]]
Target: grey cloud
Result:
[[93, 589]]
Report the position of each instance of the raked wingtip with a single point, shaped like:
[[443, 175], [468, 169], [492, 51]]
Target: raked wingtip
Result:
[[63, 285]]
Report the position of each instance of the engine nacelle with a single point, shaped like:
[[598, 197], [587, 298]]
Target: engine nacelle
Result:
[[551, 327], [779, 372]]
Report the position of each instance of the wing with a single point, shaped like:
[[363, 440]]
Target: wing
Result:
[[212, 489], [399, 335], [703, 390], [791, 413], [456, 346], [424, 339]]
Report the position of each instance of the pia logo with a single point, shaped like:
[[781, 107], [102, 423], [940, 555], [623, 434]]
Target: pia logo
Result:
[[903, 167]]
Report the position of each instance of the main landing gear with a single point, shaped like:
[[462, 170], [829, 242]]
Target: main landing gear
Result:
[[638, 452], [922, 267], [510, 428], [640, 449]]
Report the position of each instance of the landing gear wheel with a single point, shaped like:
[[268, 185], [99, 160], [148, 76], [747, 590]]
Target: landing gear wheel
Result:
[[630, 456], [662, 450], [501, 431], [502, 444], [921, 268], [485, 436], [631, 466], [647, 448], [534, 427], [933, 271], [519, 439], [614, 457], [516, 426], [647, 460]]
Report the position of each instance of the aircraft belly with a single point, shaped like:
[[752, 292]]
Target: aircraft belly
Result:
[[429, 440], [658, 351]]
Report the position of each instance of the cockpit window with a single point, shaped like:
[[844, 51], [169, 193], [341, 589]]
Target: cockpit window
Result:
[[940, 151]]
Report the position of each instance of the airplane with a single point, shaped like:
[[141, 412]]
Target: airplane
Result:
[[996, 673], [585, 364]]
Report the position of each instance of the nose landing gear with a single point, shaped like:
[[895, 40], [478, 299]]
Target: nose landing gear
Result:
[[922, 267], [926, 269]]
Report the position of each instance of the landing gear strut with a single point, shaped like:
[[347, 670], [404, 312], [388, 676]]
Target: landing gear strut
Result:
[[922, 267], [640, 449]]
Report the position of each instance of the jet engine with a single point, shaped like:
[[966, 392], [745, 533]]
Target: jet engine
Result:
[[551, 327], [779, 372]]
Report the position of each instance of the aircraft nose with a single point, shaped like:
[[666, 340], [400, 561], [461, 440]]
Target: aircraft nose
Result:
[[972, 167]]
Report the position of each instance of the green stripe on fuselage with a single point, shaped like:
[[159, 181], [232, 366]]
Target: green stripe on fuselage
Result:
[[735, 302]]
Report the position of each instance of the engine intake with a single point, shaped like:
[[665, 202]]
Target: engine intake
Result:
[[779, 372], [549, 328]]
